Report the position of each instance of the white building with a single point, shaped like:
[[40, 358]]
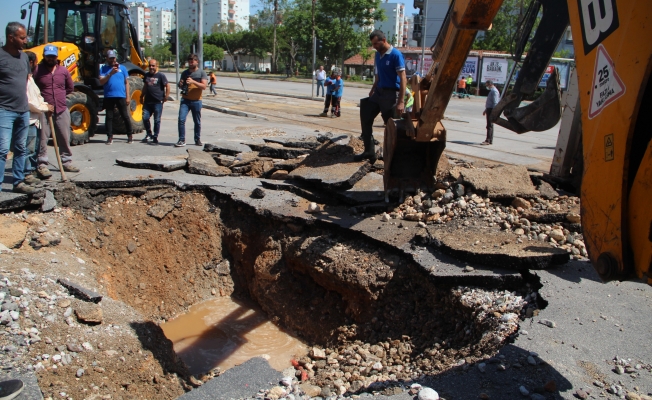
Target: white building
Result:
[[140, 18], [161, 22], [214, 12], [392, 26], [409, 21]]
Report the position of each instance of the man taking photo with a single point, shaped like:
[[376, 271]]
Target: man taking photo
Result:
[[156, 90], [113, 77]]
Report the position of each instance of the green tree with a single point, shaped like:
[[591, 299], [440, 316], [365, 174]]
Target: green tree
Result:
[[367, 53], [186, 40], [213, 53], [504, 26]]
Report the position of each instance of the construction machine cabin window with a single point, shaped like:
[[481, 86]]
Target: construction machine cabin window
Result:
[[114, 31], [67, 22]]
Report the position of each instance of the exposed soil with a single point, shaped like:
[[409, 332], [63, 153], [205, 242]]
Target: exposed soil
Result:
[[152, 252]]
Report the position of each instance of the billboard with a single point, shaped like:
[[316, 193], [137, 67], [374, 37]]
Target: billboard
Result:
[[470, 68], [494, 69], [563, 70]]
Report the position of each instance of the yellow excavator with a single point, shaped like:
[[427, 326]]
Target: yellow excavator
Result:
[[613, 55], [83, 31]]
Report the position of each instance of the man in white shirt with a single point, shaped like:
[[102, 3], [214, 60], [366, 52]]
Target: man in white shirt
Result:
[[320, 76], [36, 136]]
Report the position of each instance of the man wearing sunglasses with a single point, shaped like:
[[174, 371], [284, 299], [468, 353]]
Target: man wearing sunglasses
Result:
[[192, 83], [156, 90]]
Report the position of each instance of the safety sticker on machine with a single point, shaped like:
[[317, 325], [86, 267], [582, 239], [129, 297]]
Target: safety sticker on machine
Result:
[[607, 85]]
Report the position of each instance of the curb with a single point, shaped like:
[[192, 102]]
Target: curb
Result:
[[234, 112], [294, 96]]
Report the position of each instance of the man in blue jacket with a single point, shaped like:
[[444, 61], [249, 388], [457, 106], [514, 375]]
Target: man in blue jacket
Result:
[[387, 93]]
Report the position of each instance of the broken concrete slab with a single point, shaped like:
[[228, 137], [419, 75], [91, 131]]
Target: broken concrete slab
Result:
[[223, 159], [332, 165], [547, 191], [494, 248], [202, 163], [505, 181], [255, 168], [369, 189], [274, 150], [287, 165], [305, 143], [12, 201], [12, 232], [158, 163], [49, 202], [79, 291], [227, 148]]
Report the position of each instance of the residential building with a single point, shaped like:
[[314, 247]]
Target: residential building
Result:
[[140, 18], [392, 27], [161, 22], [410, 31], [214, 12]]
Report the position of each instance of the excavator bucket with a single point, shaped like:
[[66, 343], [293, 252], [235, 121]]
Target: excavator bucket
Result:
[[540, 115]]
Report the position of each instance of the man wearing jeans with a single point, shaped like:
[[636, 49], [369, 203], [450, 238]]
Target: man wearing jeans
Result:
[[387, 93], [14, 108], [192, 83], [156, 90], [320, 76], [113, 77]]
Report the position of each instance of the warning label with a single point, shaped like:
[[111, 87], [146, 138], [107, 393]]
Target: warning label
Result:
[[607, 86]]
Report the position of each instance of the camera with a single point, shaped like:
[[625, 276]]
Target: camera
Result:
[[184, 88]]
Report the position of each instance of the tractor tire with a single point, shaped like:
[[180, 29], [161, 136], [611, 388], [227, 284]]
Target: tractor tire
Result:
[[83, 117], [134, 108]]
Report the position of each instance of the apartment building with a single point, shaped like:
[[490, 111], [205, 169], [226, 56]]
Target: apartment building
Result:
[[214, 12], [151, 24], [393, 26]]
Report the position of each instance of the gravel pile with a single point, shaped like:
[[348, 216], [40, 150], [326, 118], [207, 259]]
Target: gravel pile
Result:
[[553, 221]]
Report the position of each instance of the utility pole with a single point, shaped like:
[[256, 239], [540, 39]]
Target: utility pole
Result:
[[200, 34], [314, 57], [176, 42], [45, 22], [423, 38], [274, 40]]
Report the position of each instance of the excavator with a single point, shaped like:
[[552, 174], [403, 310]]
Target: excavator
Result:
[[83, 31], [613, 55]]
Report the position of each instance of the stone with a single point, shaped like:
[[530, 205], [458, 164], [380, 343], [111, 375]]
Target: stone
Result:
[[385, 217], [519, 231], [226, 147], [131, 246], [12, 232], [279, 175], [286, 381], [504, 181], [276, 392], [428, 394], [317, 354], [531, 360], [313, 208], [524, 391], [435, 210], [202, 163], [447, 197], [49, 202], [548, 323], [458, 190], [13, 201], [11, 306], [80, 292], [277, 151], [557, 234], [90, 313], [80, 373], [258, 193], [158, 163], [519, 202], [573, 218], [619, 369], [161, 208], [469, 268], [310, 390], [632, 396], [378, 366], [581, 394], [74, 347]]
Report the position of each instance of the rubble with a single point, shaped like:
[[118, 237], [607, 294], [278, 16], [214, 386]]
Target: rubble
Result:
[[202, 163], [506, 181], [159, 163], [226, 147]]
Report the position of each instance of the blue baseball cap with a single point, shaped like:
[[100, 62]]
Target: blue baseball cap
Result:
[[50, 50]]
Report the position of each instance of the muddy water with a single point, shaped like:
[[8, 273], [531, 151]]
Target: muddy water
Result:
[[225, 332]]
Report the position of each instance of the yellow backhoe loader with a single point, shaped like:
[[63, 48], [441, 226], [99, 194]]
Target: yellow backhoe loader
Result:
[[613, 54], [83, 31]]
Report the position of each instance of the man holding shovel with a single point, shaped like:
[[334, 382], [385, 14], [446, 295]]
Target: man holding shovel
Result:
[[55, 84]]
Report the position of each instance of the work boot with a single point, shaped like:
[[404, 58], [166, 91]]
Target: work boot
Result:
[[43, 172], [369, 151], [323, 114], [31, 180], [24, 188], [70, 168]]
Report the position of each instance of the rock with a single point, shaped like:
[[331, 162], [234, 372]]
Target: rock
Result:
[[161, 208], [15, 292], [310, 390], [632, 396], [505, 181], [202, 163], [619, 369], [519, 202], [10, 306], [313, 208], [469, 268], [524, 391], [531, 360], [428, 394], [435, 210], [276, 392], [89, 313], [286, 381], [378, 366], [547, 191], [49, 202], [159, 163], [74, 347], [461, 203], [519, 231], [573, 218], [385, 217], [447, 197], [317, 354], [279, 175], [581, 394], [80, 373], [458, 190], [80, 292], [258, 193], [557, 234], [548, 323], [131, 246]]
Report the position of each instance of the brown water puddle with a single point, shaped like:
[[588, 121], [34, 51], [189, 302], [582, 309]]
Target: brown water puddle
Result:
[[225, 332]]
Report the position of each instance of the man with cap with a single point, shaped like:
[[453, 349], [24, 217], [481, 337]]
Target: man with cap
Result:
[[387, 93], [113, 77], [55, 83], [14, 109]]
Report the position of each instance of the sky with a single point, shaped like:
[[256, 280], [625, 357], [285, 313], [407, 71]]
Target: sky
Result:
[[11, 10]]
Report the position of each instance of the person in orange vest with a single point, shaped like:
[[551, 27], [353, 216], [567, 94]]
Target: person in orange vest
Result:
[[213, 82], [461, 87]]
